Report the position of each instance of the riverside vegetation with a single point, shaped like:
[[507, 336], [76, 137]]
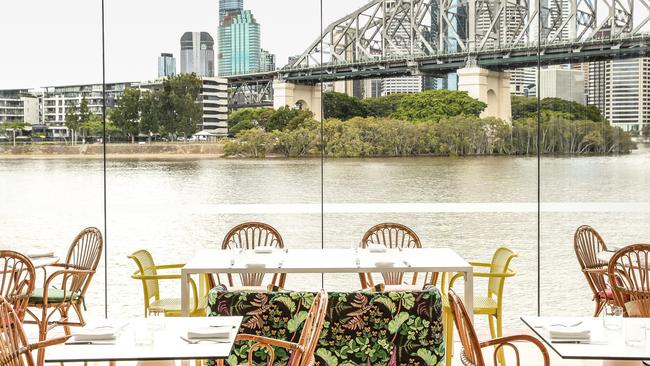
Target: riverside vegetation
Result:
[[436, 122]]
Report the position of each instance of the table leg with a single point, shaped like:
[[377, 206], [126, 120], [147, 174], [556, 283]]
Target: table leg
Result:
[[185, 294], [469, 293]]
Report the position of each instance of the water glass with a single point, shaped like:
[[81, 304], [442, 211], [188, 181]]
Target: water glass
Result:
[[354, 246], [612, 317], [635, 332], [143, 334], [156, 319]]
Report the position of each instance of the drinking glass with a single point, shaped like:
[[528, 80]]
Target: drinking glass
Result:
[[354, 245], [635, 332], [143, 334], [156, 319], [612, 317]]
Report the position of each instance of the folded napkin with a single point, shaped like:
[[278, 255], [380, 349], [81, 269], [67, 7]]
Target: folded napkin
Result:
[[255, 265], [263, 250], [209, 332], [40, 254], [376, 248], [95, 334], [385, 264], [578, 333]]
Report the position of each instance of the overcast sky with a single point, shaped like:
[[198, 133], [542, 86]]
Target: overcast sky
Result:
[[45, 42]]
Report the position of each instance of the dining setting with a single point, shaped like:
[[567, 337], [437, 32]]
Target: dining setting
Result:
[[235, 306]]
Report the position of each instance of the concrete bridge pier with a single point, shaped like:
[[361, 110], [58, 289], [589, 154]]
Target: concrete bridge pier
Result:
[[297, 96], [491, 87]]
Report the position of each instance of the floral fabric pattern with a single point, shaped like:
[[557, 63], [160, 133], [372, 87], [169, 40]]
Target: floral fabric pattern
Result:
[[361, 328]]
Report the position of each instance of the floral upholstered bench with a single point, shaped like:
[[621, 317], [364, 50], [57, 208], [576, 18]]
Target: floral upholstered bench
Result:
[[361, 328]]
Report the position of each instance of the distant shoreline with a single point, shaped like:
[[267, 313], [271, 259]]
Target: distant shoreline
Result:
[[154, 151]]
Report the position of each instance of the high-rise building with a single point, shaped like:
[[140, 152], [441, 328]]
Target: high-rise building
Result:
[[18, 106], [229, 8], [267, 61], [621, 89], [166, 65], [567, 84], [197, 53], [239, 44], [523, 82]]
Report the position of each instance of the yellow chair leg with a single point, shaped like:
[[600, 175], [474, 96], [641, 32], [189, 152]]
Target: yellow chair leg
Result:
[[448, 322]]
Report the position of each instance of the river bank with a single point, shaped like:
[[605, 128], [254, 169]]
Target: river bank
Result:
[[119, 151]]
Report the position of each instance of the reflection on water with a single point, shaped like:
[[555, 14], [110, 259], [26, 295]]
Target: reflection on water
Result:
[[474, 205]]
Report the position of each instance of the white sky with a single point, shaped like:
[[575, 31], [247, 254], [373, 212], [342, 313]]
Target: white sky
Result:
[[45, 42]]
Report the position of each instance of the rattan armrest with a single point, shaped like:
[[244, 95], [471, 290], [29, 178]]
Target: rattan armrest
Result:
[[268, 343], [48, 342], [507, 341]]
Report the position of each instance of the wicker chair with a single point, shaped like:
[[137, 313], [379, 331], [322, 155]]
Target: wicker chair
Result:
[[628, 274], [248, 236], [490, 305], [472, 355], [14, 348], [148, 274], [65, 289], [393, 235], [587, 244], [17, 280], [303, 350]]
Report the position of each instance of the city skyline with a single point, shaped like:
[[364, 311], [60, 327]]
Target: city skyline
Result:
[[54, 52]]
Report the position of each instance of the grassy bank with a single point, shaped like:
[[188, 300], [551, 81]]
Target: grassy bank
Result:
[[118, 151]]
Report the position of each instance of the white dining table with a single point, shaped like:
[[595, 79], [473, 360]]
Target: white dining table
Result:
[[328, 261], [166, 342], [606, 345]]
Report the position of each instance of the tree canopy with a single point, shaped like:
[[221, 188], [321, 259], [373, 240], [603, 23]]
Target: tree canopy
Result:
[[526, 107], [342, 106], [433, 105]]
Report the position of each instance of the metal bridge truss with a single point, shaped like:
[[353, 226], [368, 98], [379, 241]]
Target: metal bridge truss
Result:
[[414, 28], [251, 93], [386, 38]]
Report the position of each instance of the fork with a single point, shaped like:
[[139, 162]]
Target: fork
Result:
[[197, 341]]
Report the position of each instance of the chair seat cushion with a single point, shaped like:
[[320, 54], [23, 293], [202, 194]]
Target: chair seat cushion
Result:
[[54, 296], [606, 294]]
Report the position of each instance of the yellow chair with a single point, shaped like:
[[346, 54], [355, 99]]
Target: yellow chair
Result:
[[490, 305], [148, 273]]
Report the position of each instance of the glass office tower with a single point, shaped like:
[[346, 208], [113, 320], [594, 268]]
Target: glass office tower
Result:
[[239, 45], [166, 65]]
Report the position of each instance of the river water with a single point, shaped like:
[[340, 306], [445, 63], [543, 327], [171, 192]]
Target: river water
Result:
[[175, 208]]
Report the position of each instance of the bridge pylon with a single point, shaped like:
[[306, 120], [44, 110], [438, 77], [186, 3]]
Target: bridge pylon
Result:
[[299, 96], [490, 87]]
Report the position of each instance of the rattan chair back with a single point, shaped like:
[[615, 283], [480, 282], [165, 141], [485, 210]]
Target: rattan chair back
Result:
[[587, 244], [629, 275], [248, 236], [391, 235], [17, 280]]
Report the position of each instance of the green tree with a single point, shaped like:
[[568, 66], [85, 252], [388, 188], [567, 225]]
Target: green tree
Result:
[[342, 106], [382, 106], [95, 127], [126, 114], [251, 116], [72, 121], [281, 118], [433, 105], [84, 111], [150, 111], [179, 112]]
